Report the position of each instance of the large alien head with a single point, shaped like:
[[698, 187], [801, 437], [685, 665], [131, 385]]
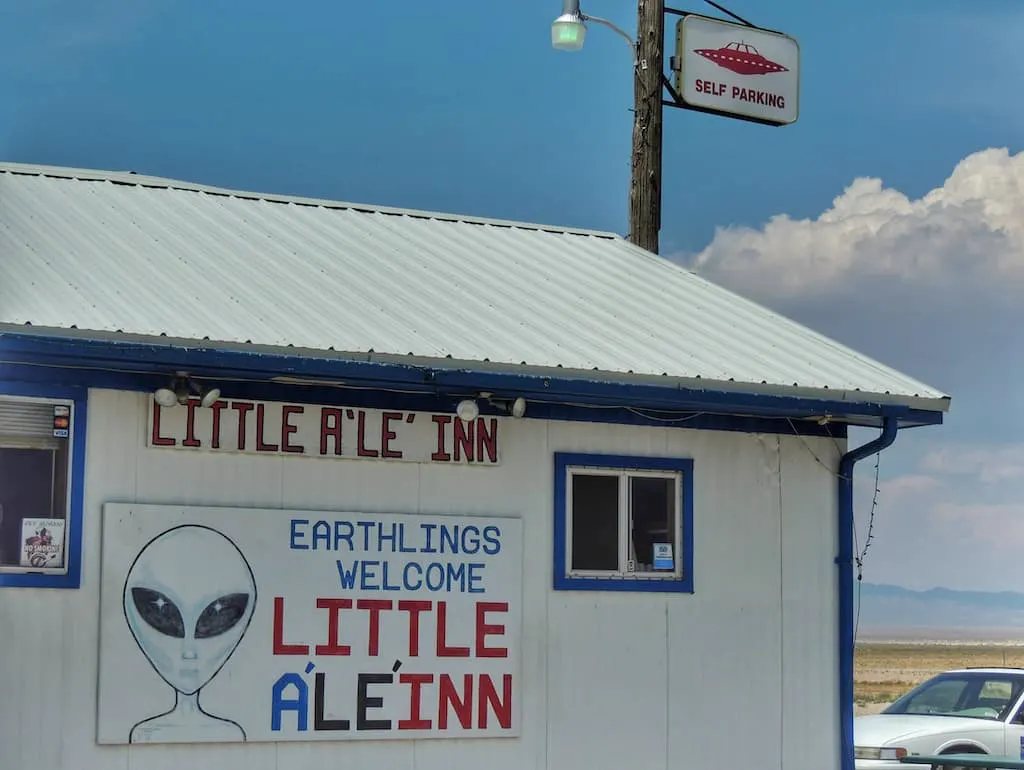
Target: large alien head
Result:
[[188, 600]]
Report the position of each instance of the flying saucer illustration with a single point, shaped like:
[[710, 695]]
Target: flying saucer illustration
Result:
[[741, 58]]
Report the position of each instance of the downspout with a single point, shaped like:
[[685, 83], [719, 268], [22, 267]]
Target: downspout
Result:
[[845, 563]]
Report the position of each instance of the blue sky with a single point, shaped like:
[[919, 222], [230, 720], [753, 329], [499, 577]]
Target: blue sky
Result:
[[463, 107]]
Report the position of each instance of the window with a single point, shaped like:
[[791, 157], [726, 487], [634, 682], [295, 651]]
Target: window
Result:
[[39, 499], [964, 694], [623, 523]]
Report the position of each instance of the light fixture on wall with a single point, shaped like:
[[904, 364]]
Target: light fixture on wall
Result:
[[515, 407], [467, 410], [208, 396], [181, 388]]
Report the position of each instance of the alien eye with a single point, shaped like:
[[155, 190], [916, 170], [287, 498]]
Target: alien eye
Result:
[[159, 612], [221, 615]]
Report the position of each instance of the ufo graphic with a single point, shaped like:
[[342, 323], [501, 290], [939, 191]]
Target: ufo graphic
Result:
[[741, 58]]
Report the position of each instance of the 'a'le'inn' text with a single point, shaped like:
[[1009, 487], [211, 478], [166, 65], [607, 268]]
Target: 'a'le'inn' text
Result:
[[273, 428]]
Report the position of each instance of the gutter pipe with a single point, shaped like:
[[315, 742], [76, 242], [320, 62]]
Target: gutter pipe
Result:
[[844, 561]]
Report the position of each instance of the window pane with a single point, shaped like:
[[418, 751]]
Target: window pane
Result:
[[940, 698], [595, 522], [652, 504], [28, 497]]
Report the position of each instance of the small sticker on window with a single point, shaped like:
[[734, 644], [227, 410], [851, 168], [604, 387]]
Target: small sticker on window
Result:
[[42, 543], [663, 556], [61, 421]]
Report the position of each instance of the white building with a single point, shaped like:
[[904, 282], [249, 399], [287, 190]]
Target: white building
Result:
[[325, 566]]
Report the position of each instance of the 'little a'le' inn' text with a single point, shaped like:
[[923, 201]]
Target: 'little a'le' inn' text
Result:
[[271, 428]]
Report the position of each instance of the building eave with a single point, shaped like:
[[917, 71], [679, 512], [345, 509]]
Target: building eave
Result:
[[73, 348]]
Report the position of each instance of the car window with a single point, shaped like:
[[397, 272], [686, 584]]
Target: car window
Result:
[[981, 696], [941, 696]]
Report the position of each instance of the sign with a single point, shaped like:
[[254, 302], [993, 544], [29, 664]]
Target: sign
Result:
[[737, 71], [663, 556], [42, 543], [302, 430], [234, 624]]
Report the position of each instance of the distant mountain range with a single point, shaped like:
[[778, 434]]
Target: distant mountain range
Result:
[[894, 610]]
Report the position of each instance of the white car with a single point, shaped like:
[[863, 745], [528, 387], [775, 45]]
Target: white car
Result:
[[966, 711]]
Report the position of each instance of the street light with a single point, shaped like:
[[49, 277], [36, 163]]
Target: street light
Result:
[[567, 34], [569, 30]]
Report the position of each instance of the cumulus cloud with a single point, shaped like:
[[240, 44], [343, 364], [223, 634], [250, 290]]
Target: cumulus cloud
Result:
[[968, 232], [931, 285]]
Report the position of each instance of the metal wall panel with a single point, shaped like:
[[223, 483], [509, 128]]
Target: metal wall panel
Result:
[[609, 680], [810, 658]]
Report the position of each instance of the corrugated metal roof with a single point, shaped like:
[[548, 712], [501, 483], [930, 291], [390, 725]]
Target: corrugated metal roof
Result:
[[119, 252]]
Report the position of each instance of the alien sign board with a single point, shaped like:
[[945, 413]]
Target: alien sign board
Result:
[[232, 624]]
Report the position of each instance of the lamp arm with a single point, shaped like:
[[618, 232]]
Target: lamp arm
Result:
[[618, 30]]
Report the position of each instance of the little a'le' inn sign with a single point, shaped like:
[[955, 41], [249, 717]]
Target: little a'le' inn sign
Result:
[[304, 430]]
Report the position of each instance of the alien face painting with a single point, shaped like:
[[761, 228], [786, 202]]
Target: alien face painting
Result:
[[188, 600]]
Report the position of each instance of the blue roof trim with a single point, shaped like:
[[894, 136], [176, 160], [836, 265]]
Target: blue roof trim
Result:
[[384, 398], [73, 543], [563, 582], [146, 358]]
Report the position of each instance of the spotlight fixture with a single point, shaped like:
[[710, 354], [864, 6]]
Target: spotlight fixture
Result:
[[514, 408], [467, 410], [208, 396], [166, 397], [181, 388]]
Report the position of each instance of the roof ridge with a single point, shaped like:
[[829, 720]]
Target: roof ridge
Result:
[[143, 180]]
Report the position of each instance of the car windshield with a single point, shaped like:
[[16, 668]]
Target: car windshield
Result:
[[978, 695]]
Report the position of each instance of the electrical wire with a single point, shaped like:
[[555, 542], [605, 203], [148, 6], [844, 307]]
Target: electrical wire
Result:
[[868, 537]]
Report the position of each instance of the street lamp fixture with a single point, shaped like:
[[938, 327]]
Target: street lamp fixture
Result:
[[569, 30]]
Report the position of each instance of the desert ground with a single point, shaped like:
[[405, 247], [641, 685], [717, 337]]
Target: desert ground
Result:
[[885, 670]]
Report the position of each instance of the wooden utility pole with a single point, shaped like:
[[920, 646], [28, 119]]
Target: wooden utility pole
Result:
[[645, 184]]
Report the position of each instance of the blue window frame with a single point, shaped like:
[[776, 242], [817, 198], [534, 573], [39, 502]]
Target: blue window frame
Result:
[[623, 523], [42, 468]]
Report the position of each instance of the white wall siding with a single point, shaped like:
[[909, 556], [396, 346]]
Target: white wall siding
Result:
[[810, 658], [609, 680]]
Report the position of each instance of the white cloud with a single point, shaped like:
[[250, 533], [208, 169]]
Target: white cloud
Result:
[[967, 233], [932, 286], [988, 465], [905, 489], [955, 520], [929, 285]]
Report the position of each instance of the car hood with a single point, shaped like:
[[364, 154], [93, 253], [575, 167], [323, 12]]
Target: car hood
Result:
[[883, 729]]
